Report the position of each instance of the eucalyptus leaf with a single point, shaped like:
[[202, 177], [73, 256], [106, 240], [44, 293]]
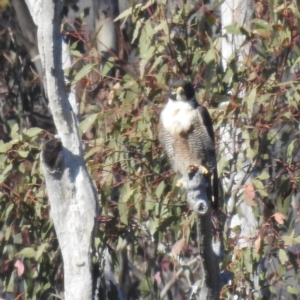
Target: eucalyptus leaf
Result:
[[31, 132], [88, 122], [27, 252], [83, 72]]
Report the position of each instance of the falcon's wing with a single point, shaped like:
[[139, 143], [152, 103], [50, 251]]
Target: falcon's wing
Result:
[[208, 153], [166, 141], [207, 122], [201, 139]]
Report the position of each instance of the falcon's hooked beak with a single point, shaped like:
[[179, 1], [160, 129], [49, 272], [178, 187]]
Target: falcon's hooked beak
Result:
[[180, 91], [178, 94]]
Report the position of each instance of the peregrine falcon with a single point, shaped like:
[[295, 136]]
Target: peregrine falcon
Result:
[[186, 134]]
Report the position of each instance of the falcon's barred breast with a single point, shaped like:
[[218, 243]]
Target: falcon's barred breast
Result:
[[186, 130]]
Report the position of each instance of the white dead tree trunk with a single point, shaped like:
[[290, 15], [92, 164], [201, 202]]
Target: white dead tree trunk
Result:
[[71, 193], [234, 12], [239, 13]]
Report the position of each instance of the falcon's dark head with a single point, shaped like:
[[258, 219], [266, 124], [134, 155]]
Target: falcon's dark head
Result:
[[181, 90]]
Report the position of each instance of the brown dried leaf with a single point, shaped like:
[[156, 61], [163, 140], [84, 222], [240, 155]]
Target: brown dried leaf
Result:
[[249, 191], [257, 244], [279, 218], [249, 194], [111, 94], [157, 278], [117, 86], [20, 267], [177, 247], [25, 237], [111, 97]]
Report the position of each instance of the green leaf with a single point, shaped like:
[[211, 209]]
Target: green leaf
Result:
[[10, 288], [272, 289], [21, 168], [164, 26], [263, 24], [14, 132], [292, 290], [263, 193], [125, 195], [88, 122], [4, 3], [264, 175], [156, 63], [5, 172], [92, 151], [281, 270], [83, 72], [160, 189], [250, 153], [74, 45], [148, 4], [8, 210], [288, 240], [109, 64], [18, 238], [23, 153], [8, 232], [149, 202], [47, 228], [282, 256], [258, 184], [27, 252], [290, 151], [145, 284], [40, 251], [4, 147], [31, 132], [234, 29], [76, 53], [250, 101], [46, 286], [248, 262], [209, 57], [125, 13], [137, 28], [260, 187]]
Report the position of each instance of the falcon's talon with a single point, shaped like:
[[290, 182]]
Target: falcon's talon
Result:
[[203, 170], [179, 182], [192, 169]]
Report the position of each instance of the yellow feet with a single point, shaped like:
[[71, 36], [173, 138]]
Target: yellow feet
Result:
[[194, 168], [179, 182], [204, 170]]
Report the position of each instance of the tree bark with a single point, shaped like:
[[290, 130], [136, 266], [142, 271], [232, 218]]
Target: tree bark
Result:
[[199, 202], [71, 193]]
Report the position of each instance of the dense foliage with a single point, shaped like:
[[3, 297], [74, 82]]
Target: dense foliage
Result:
[[145, 220]]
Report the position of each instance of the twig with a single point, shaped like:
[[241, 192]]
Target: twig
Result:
[[175, 277]]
